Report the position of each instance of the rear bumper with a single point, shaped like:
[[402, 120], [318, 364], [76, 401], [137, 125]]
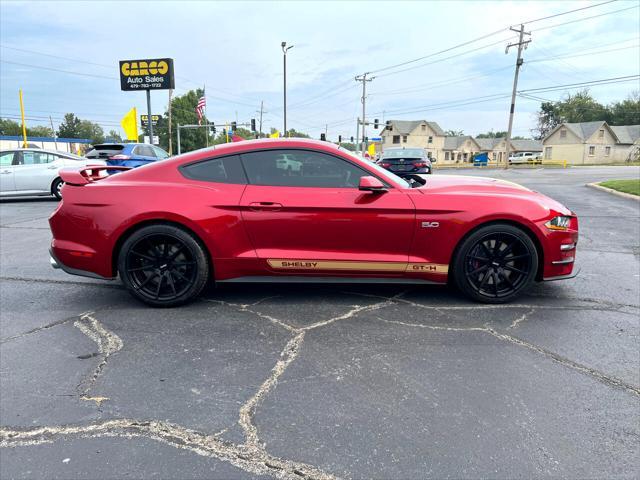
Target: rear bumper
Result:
[[57, 264]]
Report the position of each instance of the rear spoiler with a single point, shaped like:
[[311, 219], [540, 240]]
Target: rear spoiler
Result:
[[90, 173]]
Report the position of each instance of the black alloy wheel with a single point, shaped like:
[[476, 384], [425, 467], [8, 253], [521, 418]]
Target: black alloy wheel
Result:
[[56, 188], [163, 265], [496, 263]]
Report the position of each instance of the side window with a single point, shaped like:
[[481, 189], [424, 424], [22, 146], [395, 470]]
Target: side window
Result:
[[220, 170], [36, 158], [6, 158], [300, 168], [160, 153]]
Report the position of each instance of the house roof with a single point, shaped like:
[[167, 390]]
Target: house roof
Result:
[[487, 143], [452, 143], [405, 127], [584, 129], [626, 133], [527, 145]]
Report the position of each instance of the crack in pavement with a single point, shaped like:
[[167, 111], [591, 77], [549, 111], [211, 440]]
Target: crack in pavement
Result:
[[596, 374], [108, 344], [39, 329]]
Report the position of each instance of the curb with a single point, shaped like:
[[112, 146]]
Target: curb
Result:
[[615, 192]]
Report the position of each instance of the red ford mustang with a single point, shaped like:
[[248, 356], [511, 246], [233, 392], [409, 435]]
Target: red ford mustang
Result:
[[294, 210]]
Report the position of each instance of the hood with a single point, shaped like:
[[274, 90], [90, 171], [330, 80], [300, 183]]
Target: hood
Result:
[[485, 186]]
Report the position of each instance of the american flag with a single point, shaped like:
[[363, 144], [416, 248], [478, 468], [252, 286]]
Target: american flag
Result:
[[202, 104]]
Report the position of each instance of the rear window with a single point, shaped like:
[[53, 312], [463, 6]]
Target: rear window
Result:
[[105, 151], [219, 170], [404, 153]]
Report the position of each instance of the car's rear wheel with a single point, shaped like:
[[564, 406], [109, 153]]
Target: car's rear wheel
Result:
[[495, 263], [56, 188], [163, 265]]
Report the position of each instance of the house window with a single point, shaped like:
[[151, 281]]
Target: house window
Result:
[[547, 153], [430, 139], [396, 139], [607, 151], [601, 134], [446, 156], [563, 133], [424, 128], [592, 151], [404, 139]]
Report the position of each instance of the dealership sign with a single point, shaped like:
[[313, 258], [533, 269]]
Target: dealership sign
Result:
[[149, 74], [144, 120]]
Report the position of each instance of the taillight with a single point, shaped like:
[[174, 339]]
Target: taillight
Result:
[[120, 157], [385, 165], [420, 164]]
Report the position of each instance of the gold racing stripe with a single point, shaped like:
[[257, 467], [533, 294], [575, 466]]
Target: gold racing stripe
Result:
[[352, 265]]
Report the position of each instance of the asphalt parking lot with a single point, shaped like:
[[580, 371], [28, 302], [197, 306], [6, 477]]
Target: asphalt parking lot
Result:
[[344, 381]]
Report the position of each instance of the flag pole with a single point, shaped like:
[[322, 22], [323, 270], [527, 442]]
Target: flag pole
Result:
[[24, 126], [206, 120]]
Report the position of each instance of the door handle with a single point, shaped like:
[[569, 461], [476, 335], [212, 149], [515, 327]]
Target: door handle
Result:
[[271, 206]]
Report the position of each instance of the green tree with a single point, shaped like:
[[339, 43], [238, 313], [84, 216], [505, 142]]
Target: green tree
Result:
[[453, 133], [492, 134], [576, 108], [9, 127], [114, 136], [626, 112], [183, 112], [90, 130], [39, 131], [69, 126], [349, 146]]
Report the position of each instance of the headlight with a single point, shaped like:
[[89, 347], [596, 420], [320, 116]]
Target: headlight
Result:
[[558, 223]]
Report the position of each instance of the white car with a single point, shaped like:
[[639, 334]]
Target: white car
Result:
[[32, 171], [526, 157]]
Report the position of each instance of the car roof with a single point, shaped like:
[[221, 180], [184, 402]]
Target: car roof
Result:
[[32, 149]]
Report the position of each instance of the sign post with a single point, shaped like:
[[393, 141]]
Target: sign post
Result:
[[150, 74]]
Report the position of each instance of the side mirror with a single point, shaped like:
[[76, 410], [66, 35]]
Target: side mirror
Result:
[[371, 184]]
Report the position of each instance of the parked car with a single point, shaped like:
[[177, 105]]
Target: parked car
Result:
[[405, 162], [234, 215], [526, 157], [33, 171], [127, 154]]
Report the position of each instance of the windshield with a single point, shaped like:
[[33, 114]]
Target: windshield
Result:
[[379, 170], [403, 153]]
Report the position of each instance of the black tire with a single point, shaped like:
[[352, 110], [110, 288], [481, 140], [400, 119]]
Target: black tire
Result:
[[495, 263], [163, 265], [56, 186]]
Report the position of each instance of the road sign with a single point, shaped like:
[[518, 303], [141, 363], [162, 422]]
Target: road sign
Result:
[[144, 120], [376, 139], [156, 139], [151, 74]]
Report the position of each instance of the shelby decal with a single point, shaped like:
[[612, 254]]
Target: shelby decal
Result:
[[357, 266]]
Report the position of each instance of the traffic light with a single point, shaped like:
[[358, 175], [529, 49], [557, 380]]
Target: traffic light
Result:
[[323, 137], [366, 139], [375, 124], [388, 125], [233, 126], [339, 138], [253, 124], [224, 131], [351, 139], [213, 129]]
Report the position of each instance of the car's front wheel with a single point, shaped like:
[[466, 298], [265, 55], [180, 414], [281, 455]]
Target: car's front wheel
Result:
[[163, 265], [495, 263]]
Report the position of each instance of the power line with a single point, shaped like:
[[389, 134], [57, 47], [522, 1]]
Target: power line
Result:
[[59, 70], [585, 18], [567, 12]]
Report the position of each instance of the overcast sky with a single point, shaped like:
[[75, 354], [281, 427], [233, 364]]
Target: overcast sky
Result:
[[234, 49]]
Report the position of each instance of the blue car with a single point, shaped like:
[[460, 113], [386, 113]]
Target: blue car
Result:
[[127, 154]]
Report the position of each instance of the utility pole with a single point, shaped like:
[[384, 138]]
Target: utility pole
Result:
[[326, 130], [285, 49], [262, 110], [363, 78], [522, 44], [357, 132], [55, 136], [170, 132]]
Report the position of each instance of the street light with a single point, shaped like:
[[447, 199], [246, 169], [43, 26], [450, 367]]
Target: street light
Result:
[[285, 49]]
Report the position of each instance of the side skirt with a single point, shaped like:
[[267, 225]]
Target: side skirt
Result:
[[301, 279]]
